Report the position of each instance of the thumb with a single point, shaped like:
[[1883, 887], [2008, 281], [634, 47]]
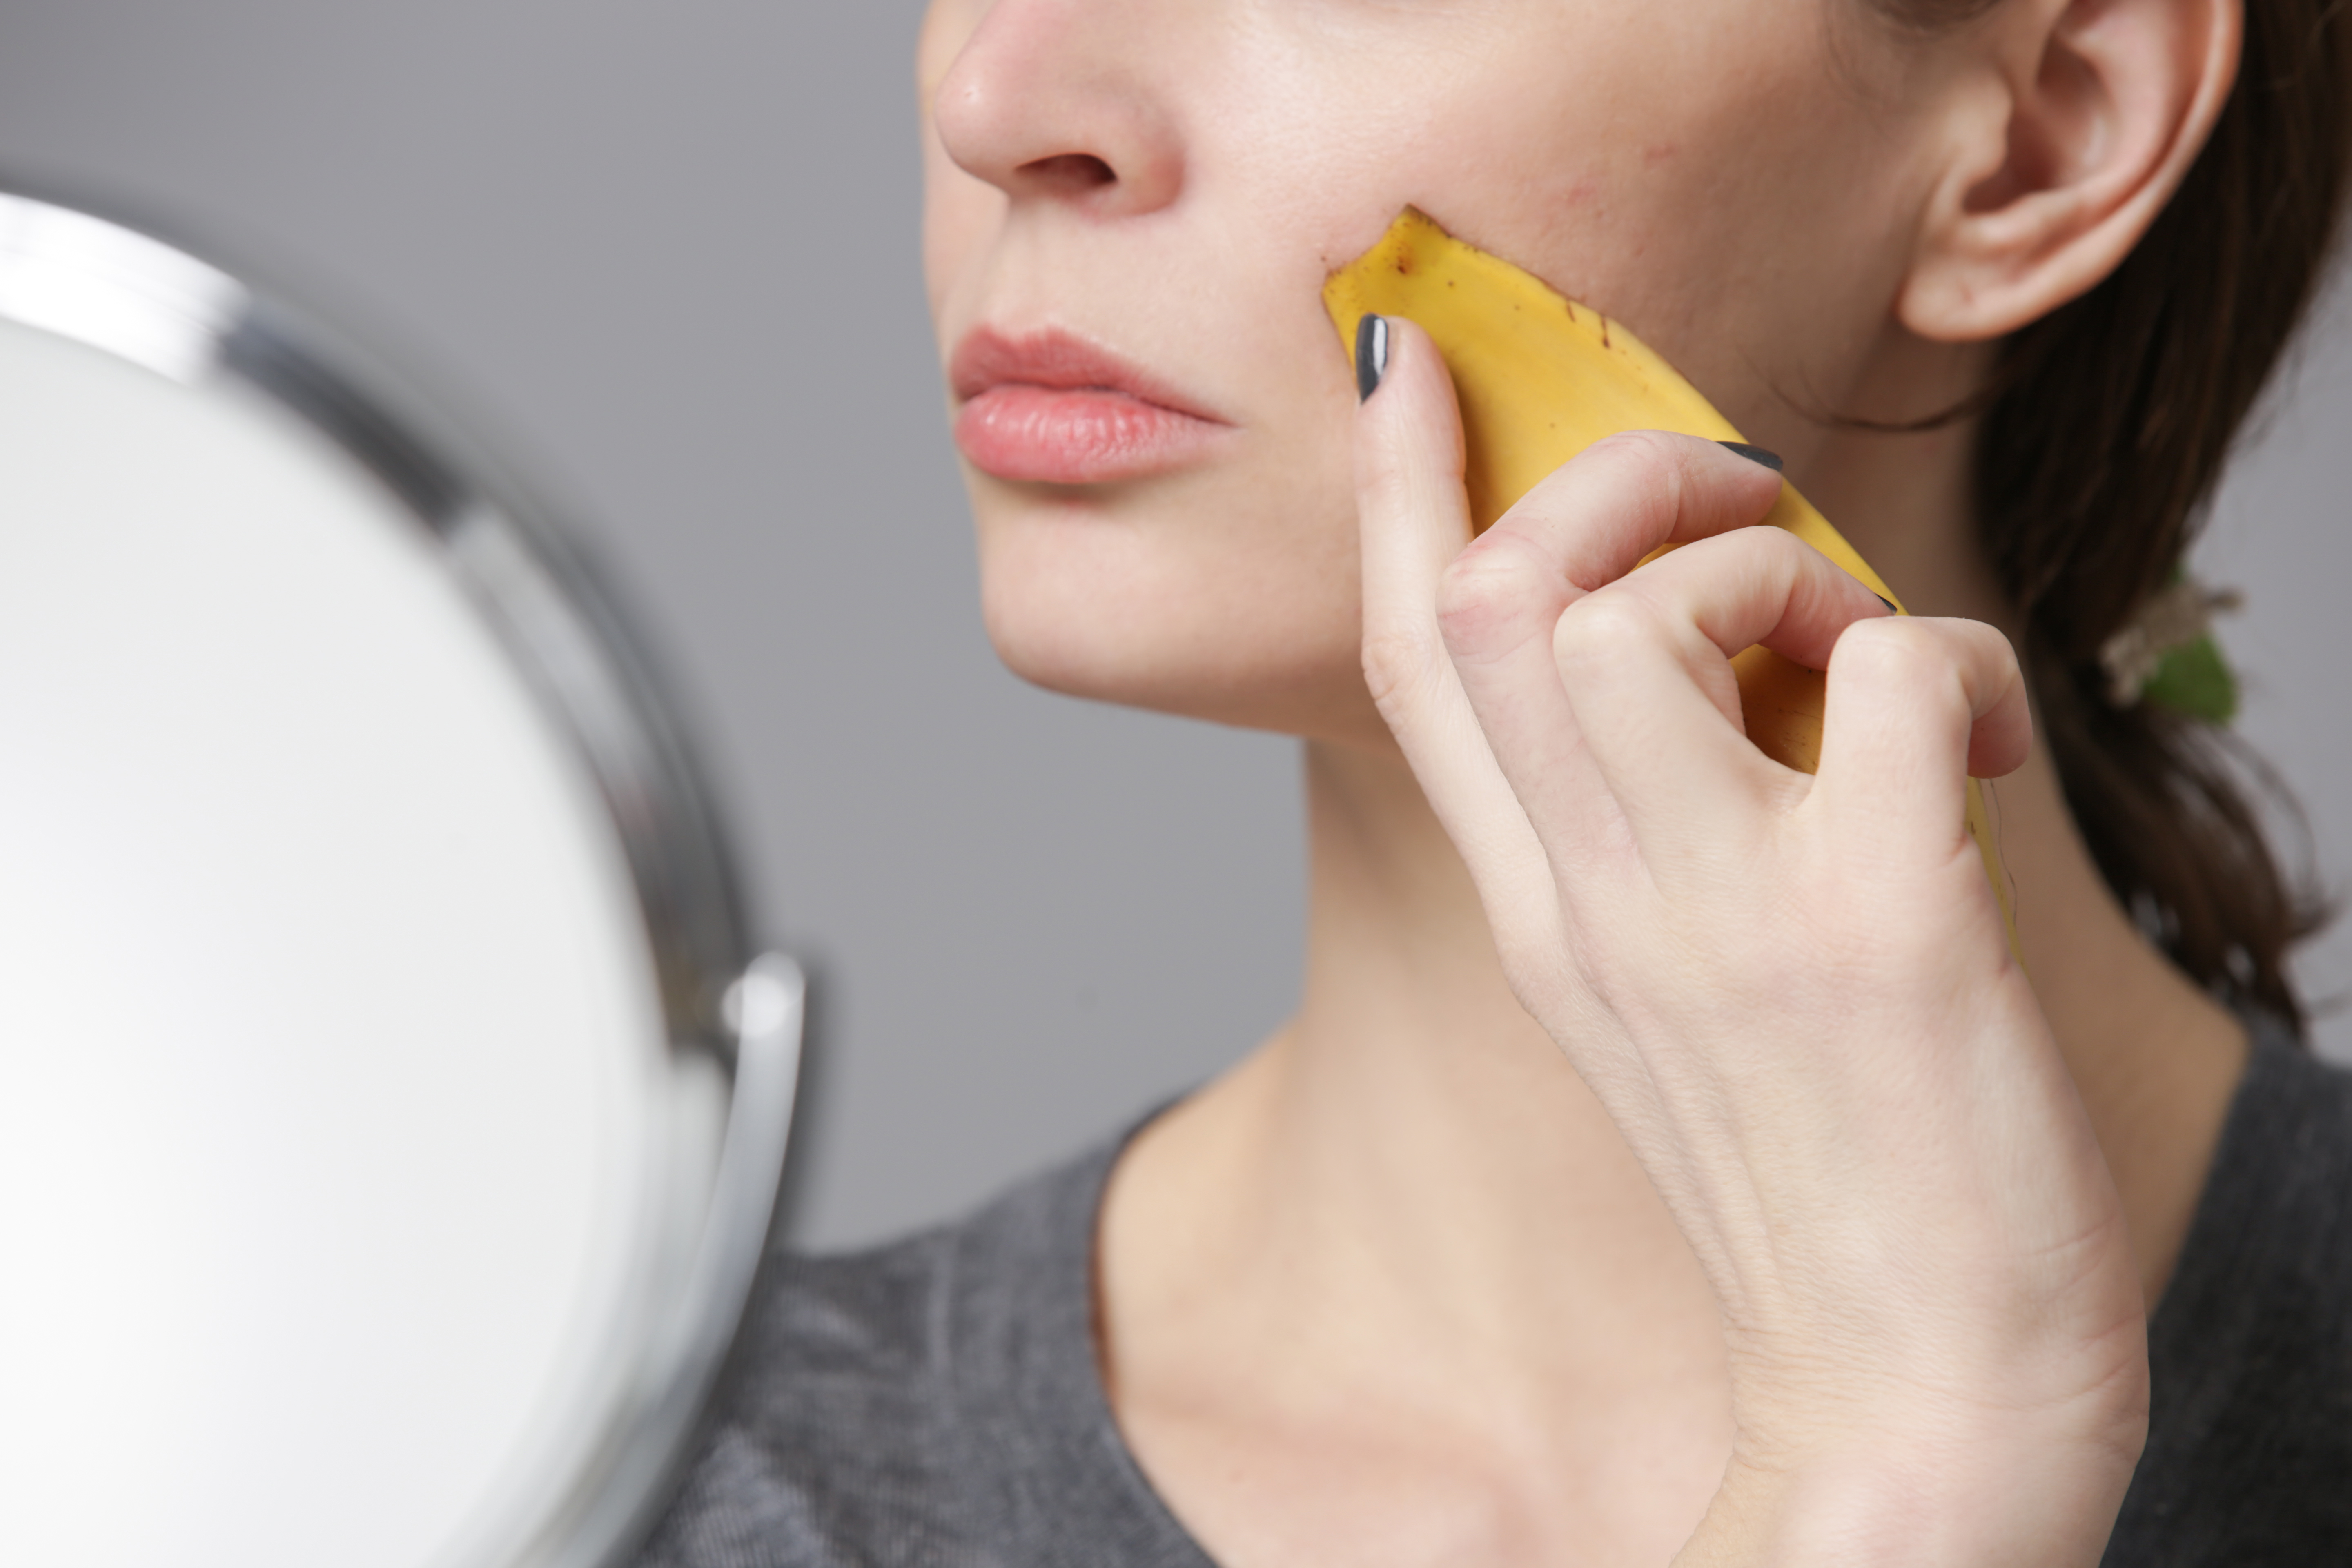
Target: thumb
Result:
[[1413, 510], [1415, 519]]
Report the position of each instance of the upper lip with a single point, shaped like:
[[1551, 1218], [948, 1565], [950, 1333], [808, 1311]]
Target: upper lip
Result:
[[1052, 357]]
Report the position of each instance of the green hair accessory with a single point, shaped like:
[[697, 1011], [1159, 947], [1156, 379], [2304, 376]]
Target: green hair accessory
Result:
[[2166, 654]]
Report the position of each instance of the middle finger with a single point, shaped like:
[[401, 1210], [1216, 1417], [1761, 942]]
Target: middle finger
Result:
[[1583, 528]]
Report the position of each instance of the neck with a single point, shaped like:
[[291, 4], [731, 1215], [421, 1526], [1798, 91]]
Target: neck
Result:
[[1404, 1212]]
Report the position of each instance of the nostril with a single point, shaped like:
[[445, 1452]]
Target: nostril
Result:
[[1070, 170]]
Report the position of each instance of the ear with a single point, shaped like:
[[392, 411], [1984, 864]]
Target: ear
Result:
[[2095, 111]]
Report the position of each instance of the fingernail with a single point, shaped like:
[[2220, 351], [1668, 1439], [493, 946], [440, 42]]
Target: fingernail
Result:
[[1372, 356], [1888, 603], [1753, 454]]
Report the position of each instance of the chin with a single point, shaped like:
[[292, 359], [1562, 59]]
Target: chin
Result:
[[1085, 607]]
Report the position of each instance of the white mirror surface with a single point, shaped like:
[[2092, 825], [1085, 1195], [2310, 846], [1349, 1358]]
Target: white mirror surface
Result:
[[341, 1152]]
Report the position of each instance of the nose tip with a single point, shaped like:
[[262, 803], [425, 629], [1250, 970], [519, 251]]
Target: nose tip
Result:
[[1057, 114]]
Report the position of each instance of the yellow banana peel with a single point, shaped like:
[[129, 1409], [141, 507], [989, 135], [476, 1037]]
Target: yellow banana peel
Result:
[[1540, 378]]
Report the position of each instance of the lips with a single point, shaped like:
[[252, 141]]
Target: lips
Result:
[[1051, 408]]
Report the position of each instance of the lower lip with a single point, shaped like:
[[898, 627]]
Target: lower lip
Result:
[[1077, 436]]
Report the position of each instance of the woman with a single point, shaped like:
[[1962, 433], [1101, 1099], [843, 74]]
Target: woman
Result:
[[1668, 1160]]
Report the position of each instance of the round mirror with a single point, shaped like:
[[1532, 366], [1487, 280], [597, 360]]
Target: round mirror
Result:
[[392, 1102]]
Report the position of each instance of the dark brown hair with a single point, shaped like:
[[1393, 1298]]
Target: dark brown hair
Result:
[[2101, 438]]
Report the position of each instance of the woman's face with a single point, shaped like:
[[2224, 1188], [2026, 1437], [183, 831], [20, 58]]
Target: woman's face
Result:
[[1132, 206]]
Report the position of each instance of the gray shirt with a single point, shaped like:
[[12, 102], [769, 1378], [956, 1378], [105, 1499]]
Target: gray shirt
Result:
[[935, 1402]]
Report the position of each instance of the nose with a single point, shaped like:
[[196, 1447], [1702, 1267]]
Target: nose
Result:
[[1050, 101]]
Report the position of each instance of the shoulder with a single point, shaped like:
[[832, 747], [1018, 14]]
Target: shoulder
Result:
[[872, 1404], [2250, 1439]]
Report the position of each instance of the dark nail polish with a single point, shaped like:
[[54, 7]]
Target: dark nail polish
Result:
[[1372, 356], [1758, 455], [1888, 603]]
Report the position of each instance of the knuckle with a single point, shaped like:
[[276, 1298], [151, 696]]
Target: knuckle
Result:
[[1483, 593], [1653, 452], [1644, 475], [1380, 473], [1776, 547], [1397, 659], [1886, 649], [1758, 560], [1650, 463], [1773, 559], [1525, 955], [1540, 968], [1900, 657], [1999, 653], [1601, 626]]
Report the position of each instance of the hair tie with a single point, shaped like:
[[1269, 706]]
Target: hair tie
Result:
[[2166, 654]]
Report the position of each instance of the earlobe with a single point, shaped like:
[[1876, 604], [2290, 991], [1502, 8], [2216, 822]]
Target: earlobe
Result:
[[2090, 115]]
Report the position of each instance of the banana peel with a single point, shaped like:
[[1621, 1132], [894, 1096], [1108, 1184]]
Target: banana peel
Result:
[[1540, 378]]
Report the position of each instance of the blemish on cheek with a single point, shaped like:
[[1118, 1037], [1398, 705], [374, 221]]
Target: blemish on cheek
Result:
[[1651, 156]]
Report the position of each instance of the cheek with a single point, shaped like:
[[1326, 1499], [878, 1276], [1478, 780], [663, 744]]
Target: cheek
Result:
[[1703, 172], [1718, 182]]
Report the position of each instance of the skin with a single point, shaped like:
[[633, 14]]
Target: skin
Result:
[[1576, 1215]]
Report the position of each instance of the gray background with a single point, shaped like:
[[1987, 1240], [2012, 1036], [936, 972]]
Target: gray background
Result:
[[665, 256]]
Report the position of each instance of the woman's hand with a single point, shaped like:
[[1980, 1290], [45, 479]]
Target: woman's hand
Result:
[[1791, 993]]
